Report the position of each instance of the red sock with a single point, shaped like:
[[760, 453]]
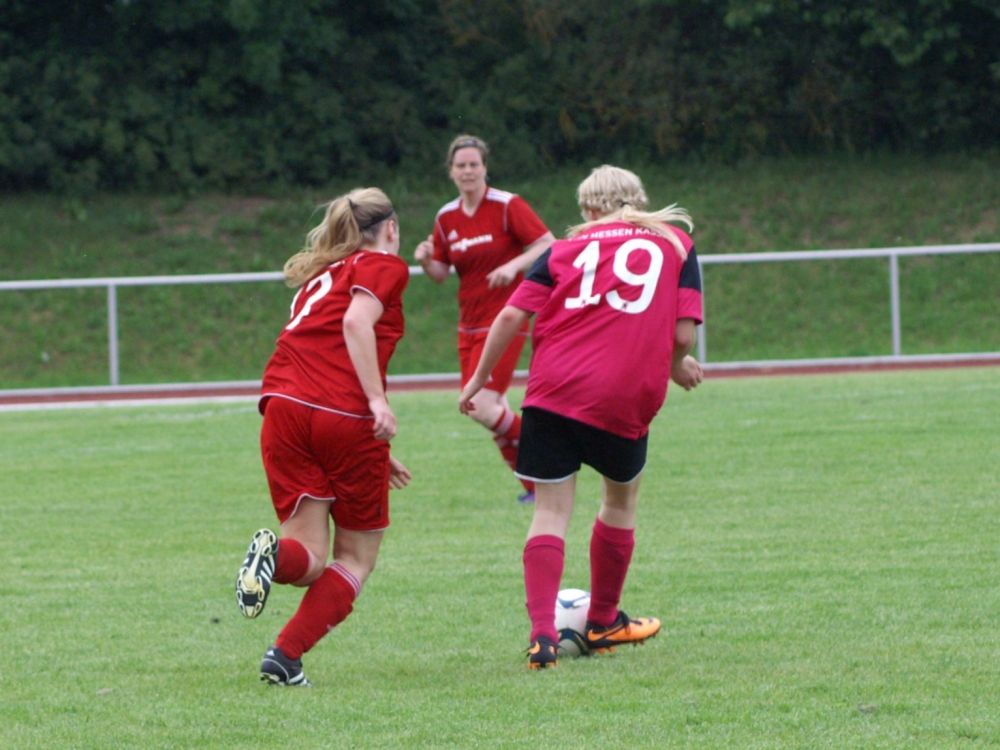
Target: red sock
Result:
[[544, 556], [327, 603], [507, 436], [610, 555], [293, 561]]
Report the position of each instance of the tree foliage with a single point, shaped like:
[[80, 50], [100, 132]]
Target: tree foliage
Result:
[[188, 93]]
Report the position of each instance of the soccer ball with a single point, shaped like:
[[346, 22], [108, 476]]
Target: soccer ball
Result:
[[571, 621]]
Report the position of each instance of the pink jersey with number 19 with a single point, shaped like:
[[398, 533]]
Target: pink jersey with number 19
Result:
[[607, 303]]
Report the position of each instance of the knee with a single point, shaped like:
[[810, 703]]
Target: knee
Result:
[[308, 579], [359, 569], [317, 564], [489, 407], [619, 515]]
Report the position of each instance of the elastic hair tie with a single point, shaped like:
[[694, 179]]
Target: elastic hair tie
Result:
[[377, 220]]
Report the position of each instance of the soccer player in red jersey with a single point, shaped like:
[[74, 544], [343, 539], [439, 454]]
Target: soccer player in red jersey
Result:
[[490, 237], [327, 425], [616, 307]]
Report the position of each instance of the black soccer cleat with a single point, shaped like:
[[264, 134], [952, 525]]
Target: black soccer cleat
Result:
[[623, 630], [542, 653], [254, 580], [278, 669]]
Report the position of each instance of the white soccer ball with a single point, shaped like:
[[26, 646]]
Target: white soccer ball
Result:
[[571, 621]]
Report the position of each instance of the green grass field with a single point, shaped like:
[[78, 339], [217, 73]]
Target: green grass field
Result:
[[822, 551], [766, 311]]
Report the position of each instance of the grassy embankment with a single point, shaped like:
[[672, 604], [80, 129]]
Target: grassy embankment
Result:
[[787, 310]]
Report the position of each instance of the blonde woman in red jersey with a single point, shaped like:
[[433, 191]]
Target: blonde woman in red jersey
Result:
[[616, 306], [491, 237], [327, 426]]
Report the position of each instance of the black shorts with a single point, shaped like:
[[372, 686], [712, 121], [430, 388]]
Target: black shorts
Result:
[[553, 448]]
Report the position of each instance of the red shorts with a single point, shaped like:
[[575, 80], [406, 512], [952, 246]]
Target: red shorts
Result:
[[326, 456], [470, 351]]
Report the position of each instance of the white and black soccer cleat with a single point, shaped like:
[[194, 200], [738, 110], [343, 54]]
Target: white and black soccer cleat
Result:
[[254, 580], [278, 669]]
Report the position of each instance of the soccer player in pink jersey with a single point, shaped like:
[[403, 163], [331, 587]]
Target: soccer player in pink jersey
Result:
[[327, 426], [616, 307], [490, 237]]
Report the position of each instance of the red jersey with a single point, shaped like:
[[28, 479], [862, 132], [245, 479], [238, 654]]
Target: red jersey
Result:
[[607, 304], [502, 226], [311, 364]]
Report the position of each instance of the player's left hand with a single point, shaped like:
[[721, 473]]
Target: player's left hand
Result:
[[399, 475], [501, 276], [687, 373], [465, 403]]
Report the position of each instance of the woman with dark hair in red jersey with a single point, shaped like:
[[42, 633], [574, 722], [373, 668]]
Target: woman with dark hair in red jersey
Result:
[[490, 237]]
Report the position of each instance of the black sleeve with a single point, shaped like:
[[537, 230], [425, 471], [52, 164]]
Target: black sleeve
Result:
[[539, 271], [690, 272]]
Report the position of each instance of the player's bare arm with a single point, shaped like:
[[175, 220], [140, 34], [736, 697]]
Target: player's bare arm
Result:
[[359, 333], [505, 274], [685, 369], [505, 327], [424, 255]]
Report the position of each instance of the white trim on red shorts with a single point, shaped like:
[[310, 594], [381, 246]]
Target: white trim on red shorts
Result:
[[315, 406], [302, 497], [330, 500]]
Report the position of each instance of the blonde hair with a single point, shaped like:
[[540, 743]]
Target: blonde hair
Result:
[[617, 195], [350, 221], [466, 141]]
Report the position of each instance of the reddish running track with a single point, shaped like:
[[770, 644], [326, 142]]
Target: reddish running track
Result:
[[211, 392]]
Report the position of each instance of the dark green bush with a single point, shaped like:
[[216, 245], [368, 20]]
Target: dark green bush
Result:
[[183, 94]]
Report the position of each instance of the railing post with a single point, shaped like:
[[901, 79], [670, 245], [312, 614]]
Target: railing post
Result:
[[897, 333], [702, 343], [113, 332]]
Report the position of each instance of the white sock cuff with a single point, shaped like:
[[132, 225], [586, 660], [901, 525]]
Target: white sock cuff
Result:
[[349, 577], [505, 422]]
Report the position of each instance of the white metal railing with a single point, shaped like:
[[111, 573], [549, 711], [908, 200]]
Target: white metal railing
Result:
[[892, 253], [112, 284]]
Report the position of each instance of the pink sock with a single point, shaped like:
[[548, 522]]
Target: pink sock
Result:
[[544, 556], [326, 604], [610, 555], [293, 561]]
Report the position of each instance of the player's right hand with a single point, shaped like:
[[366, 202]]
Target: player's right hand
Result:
[[385, 421], [425, 250]]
